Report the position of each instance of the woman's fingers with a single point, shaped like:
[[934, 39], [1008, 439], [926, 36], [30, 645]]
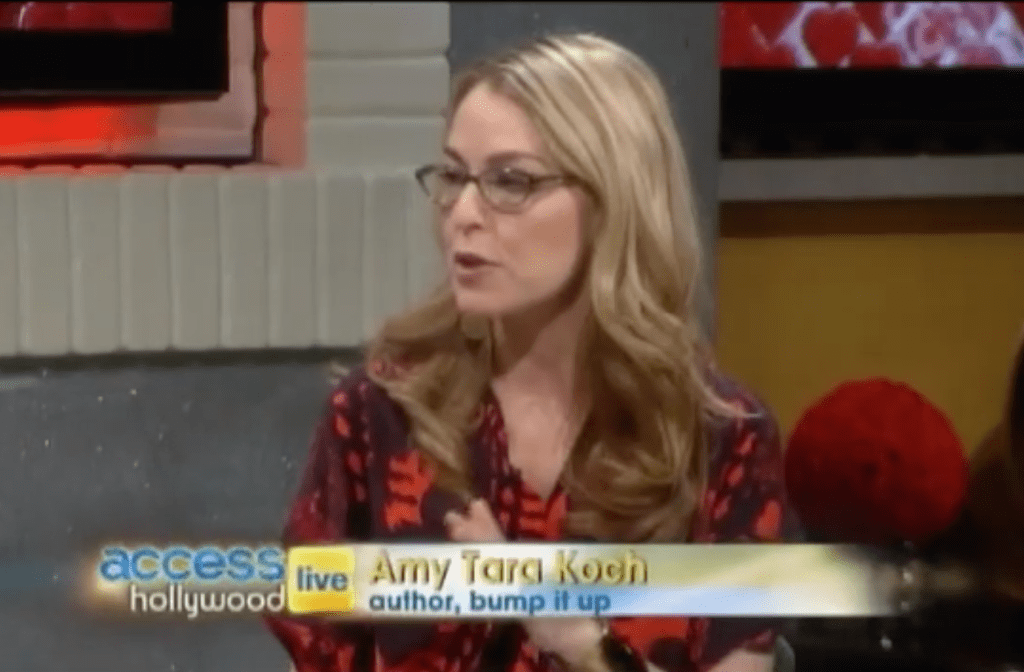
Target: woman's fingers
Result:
[[459, 528], [477, 524], [479, 508]]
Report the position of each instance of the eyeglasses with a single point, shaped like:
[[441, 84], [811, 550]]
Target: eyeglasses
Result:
[[504, 189]]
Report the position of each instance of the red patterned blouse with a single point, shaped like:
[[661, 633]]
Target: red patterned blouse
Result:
[[364, 482]]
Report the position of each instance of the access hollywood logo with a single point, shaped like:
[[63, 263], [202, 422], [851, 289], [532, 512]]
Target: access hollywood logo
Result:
[[196, 581], [211, 580]]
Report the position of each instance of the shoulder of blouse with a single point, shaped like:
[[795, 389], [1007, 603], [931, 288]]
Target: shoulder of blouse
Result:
[[741, 397], [356, 396], [350, 377], [754, 439], [756, 416], [356, 380]]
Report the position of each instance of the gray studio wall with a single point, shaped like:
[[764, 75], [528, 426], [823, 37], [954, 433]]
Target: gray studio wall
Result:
[[112, 436], [182, 448], [209, 442], [679, 40]]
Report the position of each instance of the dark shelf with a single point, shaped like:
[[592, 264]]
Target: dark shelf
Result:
[[848, 113]]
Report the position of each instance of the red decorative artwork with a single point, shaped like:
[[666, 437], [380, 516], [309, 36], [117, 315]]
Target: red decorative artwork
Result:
[[86, 16], [871, 34]]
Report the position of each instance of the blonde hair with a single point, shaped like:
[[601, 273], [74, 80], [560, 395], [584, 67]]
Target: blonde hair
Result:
[[638, 470]]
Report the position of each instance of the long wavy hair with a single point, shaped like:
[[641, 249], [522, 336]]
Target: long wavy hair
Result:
[[640, 464]]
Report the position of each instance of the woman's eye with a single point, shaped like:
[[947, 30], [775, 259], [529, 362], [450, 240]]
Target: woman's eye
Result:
[[451, 176], [513, 180]]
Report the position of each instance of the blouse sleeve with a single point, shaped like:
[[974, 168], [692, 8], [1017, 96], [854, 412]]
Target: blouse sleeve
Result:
[[745, 502], [752, 495], [318, 515]]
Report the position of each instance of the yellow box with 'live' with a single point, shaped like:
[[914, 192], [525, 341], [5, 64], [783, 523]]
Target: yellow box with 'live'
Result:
[[320, 579]]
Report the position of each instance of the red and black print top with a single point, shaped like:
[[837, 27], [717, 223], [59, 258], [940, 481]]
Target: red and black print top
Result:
[[365, 482]]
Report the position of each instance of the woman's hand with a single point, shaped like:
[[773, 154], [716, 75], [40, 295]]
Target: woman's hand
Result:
[[576, 641], [477, 526], [568, 638]]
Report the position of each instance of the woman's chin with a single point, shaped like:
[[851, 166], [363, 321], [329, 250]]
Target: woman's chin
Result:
[[479, 309], [479, 304]]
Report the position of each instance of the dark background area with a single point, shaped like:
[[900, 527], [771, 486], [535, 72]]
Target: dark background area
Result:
[[882, 113], [153, 448]]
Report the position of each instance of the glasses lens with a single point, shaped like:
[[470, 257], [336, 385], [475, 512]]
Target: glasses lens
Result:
[[507, 188], [503, 188], [442, 184]]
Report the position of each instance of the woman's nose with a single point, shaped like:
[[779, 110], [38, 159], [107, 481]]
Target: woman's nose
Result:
[[469, 208]]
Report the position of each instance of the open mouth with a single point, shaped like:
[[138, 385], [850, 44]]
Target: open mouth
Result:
[[469, 261]]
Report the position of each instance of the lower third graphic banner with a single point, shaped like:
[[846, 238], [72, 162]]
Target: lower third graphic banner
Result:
[[459, 581], [515, 580]]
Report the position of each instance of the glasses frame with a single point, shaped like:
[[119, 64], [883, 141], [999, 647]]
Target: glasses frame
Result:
[[535, 184]]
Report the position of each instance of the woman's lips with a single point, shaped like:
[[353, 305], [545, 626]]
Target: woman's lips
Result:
[[469, 261]]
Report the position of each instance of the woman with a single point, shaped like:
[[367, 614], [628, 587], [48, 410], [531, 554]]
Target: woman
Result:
[[556, 380]]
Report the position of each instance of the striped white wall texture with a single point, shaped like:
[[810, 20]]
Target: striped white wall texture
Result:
[[201, 260]]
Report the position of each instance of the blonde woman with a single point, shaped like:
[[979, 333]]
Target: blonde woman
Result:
[[556, 381]]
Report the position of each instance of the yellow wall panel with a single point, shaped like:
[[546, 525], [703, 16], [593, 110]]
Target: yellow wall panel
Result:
[[940, 308]]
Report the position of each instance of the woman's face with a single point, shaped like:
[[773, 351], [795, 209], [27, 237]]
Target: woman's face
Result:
[[502, 261]]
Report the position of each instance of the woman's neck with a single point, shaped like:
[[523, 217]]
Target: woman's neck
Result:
[[538, 356]]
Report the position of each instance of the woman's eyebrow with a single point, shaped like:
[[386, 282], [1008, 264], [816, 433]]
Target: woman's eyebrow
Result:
[[452, 154], [505, 157], [496, 158]]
